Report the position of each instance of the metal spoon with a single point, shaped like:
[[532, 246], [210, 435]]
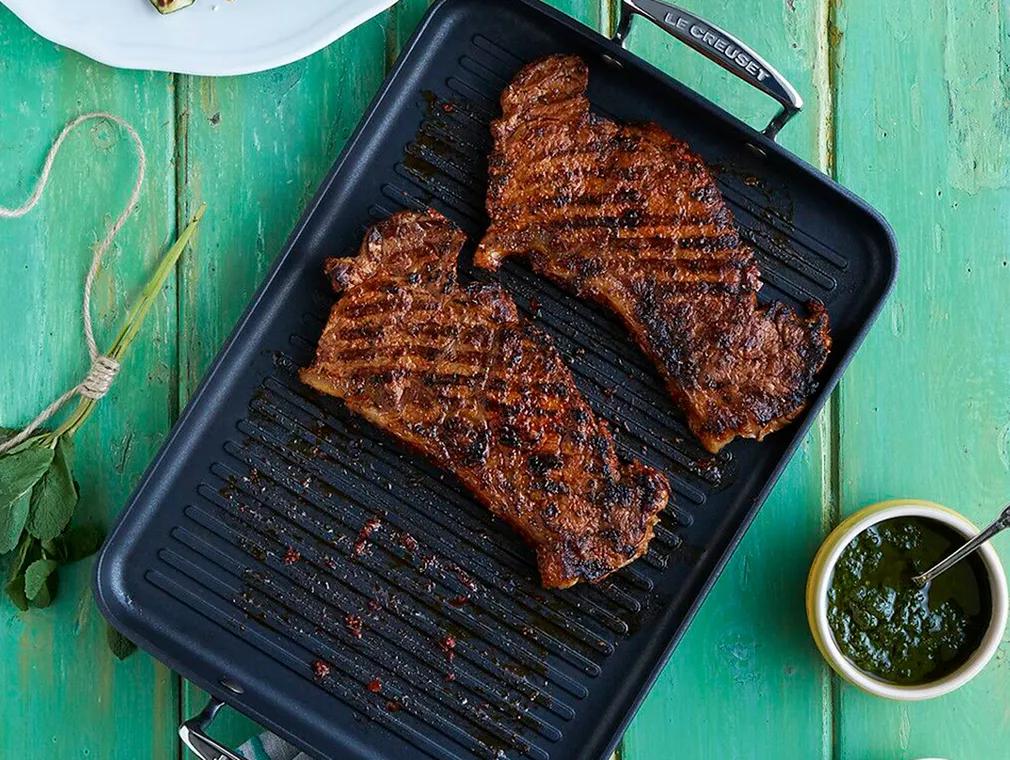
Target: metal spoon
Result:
[[999, 524]]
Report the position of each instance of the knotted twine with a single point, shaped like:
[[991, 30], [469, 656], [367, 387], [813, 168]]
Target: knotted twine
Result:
[[103, 369]]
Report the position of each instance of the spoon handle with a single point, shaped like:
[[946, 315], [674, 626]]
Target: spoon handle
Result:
[[999, 524]]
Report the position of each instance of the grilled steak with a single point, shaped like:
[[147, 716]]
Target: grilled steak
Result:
[[455, 373], [630, 217]]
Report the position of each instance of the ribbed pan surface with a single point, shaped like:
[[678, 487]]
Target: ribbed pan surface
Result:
[[367, 606]]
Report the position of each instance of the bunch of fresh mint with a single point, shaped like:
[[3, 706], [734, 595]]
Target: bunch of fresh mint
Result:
[[38, 493]]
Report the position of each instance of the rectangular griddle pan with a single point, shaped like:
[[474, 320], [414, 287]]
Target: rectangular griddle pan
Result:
[[273, 529]]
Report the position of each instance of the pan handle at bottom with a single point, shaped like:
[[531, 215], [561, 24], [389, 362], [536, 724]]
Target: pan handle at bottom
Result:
[[193, 735], [717, 45]]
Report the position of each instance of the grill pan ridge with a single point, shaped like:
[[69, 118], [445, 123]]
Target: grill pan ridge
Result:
[[364, 603]]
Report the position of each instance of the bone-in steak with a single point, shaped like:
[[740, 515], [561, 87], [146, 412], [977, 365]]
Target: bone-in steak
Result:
[[630, 217], [454, 372]]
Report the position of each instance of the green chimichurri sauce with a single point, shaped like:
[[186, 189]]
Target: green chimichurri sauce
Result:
[[887, 626]]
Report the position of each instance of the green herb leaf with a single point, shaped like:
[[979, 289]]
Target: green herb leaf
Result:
[[12, 520], [48, 591], [15, 586], [19, 560], [75, 544], [19, 471], [37, 574], [54, 497], [121, 646], [15, 590]]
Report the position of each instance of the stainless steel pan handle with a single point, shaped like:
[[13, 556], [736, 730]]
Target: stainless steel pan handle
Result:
[[719, 46], [193, 734]]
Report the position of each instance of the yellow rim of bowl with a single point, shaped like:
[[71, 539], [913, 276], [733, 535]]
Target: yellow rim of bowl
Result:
[[819, 570]]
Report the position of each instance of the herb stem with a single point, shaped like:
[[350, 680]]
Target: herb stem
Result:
[[133, 322]]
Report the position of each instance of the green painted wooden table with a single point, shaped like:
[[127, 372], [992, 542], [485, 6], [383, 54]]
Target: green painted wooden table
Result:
[[907, 105]]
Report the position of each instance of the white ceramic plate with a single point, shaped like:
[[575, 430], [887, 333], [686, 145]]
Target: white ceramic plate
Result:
[[212, 37]]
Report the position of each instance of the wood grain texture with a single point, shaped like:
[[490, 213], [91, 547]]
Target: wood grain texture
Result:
[[593, 13], [922, 133], [63, 693], [746, 681], [404, 19]]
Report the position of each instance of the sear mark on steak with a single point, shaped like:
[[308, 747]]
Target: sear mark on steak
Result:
[[458, 375], [630, 217]]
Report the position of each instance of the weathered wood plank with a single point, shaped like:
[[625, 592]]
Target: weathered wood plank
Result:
[[404, 18], [746, 682], [922, 134], [592, 13], [255, 149], [65, 695]]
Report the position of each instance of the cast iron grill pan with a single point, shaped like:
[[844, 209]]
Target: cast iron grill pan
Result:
[[360, 600]]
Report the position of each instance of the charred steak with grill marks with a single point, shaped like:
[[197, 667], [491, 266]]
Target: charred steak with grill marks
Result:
[[455, 373], [630, 217]]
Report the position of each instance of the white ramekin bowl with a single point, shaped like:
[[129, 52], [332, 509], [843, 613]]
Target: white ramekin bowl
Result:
[[823, 569]]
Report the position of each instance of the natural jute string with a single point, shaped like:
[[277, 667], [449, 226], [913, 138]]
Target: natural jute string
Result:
[[103, 369]]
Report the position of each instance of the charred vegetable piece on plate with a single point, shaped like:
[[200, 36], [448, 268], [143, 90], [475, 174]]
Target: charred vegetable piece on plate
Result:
[[171, 6]]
